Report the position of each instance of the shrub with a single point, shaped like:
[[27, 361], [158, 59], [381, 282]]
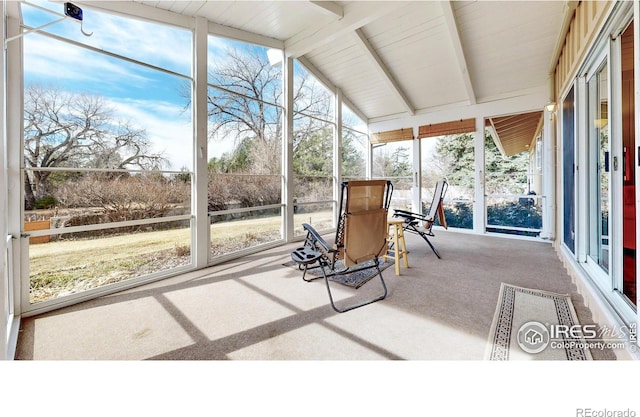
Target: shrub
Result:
[[109, 198], [512, 214], [123, 196], [44, 203], [460, 215], [226, 190], [182, 250], [515, 214]]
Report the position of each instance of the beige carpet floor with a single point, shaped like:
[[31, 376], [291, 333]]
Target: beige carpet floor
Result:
[[254, 308]]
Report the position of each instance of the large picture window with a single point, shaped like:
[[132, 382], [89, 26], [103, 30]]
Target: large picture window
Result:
[[452, 158], [514, 203], [313, 152], [107, 153], [245, 147]]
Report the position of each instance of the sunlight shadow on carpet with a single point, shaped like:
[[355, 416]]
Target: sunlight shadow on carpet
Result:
[[350, 279]]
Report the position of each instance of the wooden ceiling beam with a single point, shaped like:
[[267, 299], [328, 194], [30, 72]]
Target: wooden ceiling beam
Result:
[[329, 7], [356, 15], [384, 72], [454, 35]]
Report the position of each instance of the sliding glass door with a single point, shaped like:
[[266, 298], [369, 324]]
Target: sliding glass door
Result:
[[609, 177], [599, 166], [628, 167], [568, 170]]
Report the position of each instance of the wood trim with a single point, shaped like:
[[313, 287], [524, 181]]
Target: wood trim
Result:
[[447, 128], [583, 27], [392, 135]]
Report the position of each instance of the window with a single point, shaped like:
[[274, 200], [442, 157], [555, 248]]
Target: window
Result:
[[599, 163], [606, 179], [629, 119], [513, 203], [568, 171], [354, 146], [450, 157], [394, 161], [245, 147], [313, 152], [108, 153]]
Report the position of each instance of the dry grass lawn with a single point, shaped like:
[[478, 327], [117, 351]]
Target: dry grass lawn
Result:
[[68, 266]]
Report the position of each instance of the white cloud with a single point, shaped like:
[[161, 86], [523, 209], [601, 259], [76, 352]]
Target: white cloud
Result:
[[48, 60], [169, 131], [68, 67], [80, 69], [156, 44]]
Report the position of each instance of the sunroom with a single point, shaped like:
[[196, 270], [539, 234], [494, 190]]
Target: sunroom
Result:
[[152, 141]]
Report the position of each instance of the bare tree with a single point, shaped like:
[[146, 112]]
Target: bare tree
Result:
[[67, 130], [245, 104], [247, 84]]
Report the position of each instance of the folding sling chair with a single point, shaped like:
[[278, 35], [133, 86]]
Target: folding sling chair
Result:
[[361, 237], [412, 220]]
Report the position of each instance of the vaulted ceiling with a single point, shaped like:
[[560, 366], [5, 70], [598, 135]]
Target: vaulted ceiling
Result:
[[394, 58]]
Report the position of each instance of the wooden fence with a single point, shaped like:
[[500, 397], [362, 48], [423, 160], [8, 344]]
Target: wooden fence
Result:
[[38, 225]]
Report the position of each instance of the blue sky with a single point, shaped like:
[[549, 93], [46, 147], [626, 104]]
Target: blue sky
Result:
[[150, 99]]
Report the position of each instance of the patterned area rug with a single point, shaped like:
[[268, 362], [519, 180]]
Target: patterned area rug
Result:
[[535, 325], [354, 279]]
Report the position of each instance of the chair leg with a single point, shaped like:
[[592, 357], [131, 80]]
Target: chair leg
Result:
[[402, 245], [432, 247], [364, 303], [304, 272], [424, 236], [397, 246], [397, 250]]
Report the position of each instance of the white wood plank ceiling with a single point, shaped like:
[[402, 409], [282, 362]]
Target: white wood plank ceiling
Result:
[[393, 58]]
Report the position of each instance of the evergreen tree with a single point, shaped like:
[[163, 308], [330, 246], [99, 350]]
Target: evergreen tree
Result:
[[392, 163], [353, 154], [455, 159]]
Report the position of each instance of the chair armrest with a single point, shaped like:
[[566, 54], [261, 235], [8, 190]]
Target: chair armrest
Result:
[[409, 215], [317, 239]]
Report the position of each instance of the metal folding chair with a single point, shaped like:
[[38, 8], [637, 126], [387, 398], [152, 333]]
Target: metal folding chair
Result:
[[361, 237], [436, 211]]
